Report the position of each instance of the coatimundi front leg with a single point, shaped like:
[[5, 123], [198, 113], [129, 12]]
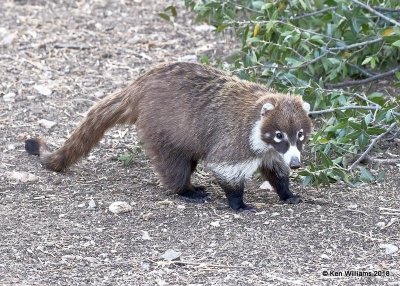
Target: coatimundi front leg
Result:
[[234, 193], [277, 173]]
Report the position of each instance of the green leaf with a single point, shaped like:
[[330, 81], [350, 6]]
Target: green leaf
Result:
[[396, 44], [363, 139], [366, 175], [164, 16], [377, 97]]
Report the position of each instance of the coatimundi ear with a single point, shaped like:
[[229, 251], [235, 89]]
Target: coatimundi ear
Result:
[[266, 107], [306, 106]]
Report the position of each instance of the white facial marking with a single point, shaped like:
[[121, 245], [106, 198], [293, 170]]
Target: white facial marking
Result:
[[256, 143], [279, 136], [292, 152], [300, 135], [266, 107], [236, 172], [306, 106]]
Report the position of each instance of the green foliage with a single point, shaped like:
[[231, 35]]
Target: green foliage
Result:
[[308, 46], [128, 158]]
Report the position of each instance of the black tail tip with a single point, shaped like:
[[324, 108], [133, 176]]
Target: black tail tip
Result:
[[32, 146]]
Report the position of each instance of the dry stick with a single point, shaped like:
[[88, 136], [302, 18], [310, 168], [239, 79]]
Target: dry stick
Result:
[[369, 8], [383, 9], [313, 13], [71, 46], [385, 161], [373, 142], [363, 81], [356, 45], [376, 107]]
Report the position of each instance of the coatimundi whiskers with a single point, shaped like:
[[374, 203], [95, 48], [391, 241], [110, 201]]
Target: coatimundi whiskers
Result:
[[186, 113]]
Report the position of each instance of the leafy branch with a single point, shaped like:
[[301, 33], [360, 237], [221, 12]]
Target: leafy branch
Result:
[[371, 145], [314, 51]]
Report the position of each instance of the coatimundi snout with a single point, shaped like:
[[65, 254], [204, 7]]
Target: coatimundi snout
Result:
[[186, 113]]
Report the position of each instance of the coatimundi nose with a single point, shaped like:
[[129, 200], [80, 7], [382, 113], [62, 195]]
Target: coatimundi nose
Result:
[[294, 163]]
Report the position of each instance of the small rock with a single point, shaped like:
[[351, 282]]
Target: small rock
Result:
[[188, 58], [119, 207], [266, 186], [9, 97], [11, 147], [145, 235], [353, 206], [380, 224], [203, 28], [43, 90], [145, 266], [325, 256], [71, 257], [47, 123], [91, 204], [90, 259], [389, 248], [180, 207], [275, 214], [22, 176], [215, 223], [171, 254], [7, 40], [81, 205], [98, 26], [99, 94]]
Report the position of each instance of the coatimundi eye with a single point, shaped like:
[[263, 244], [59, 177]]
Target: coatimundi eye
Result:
[[279, 135], [300, 134]]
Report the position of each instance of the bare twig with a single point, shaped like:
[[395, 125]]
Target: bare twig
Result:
[[371, 145], [313, 13], [71, 46], [385, 161], [389, 10], [375, 107], [360, 69], [363, 81], [372, 10], [356, 45]]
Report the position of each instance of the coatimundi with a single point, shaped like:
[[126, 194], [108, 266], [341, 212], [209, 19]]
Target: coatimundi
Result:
[[186, 113]]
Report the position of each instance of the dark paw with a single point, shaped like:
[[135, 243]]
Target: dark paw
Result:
[[238, 205], [198, 195], [32, 146], [294, 200]]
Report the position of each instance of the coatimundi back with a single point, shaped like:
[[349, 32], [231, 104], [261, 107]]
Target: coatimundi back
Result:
[[186, 113]]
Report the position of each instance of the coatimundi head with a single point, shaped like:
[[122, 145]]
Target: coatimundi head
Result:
[[283, 126]]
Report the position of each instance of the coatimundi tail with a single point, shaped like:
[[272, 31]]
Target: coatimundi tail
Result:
[[186, 113]]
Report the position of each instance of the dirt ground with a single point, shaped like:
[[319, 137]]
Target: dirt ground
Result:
[[59, 57]]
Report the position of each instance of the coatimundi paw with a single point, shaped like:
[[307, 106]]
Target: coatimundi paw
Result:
[[294, 200], [196, 195], [238, 205]]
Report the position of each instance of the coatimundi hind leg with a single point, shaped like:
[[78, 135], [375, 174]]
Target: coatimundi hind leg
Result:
[[175, 171]]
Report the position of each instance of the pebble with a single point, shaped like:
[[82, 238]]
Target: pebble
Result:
[[47, 123], [22, 176], [266, 186], [9, 97], [43, 90], [389, 248], [215, 223], [171, 254], [119, 207], [91, 204]]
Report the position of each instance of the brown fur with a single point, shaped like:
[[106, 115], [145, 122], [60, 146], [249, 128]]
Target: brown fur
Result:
[[184, 112]]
